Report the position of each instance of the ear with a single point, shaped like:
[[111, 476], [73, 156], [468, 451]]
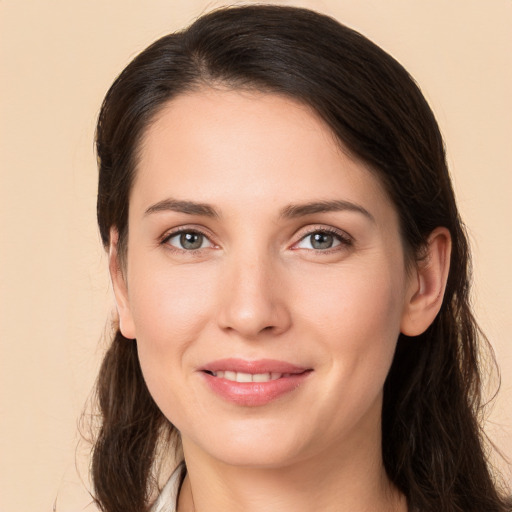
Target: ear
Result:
[[126, 324], [428, 282]]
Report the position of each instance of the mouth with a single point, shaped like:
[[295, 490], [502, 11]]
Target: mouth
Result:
[[248, 377], [253, 383]]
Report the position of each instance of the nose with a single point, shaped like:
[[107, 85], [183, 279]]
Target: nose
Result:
[[254, 301]]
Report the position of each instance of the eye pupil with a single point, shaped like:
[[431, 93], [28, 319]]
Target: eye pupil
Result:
[[322, 240], [191, 241]]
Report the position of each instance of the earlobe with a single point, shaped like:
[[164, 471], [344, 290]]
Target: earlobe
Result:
[[126, 324], [428, 284]]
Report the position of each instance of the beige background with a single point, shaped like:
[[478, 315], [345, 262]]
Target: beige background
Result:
[[58, 58]]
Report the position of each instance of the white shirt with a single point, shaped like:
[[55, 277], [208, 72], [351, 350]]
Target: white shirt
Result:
[[168, 499]]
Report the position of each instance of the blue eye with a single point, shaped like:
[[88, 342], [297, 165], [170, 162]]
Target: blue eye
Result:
[[188, 240], [322, 240]]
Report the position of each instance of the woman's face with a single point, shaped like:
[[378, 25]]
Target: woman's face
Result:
[[265, 280]]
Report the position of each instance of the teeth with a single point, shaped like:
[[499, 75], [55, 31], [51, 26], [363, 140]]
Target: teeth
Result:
[[264, 377], [248, 377]]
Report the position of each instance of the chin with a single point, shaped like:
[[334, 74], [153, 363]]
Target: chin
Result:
[[256, 445], [255, 456]]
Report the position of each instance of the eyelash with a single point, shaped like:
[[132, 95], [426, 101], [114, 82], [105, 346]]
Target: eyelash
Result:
[[344, 239], [184, 230]]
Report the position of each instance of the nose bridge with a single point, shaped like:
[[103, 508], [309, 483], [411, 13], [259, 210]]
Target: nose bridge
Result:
[[252, 296]]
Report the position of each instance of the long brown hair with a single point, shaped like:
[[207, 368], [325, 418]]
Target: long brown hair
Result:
[[433, 445]]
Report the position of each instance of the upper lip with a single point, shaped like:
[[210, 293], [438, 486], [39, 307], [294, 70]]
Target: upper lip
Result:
[[253, 367]]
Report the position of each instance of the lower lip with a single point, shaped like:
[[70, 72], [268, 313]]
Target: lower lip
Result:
[[252, 394]]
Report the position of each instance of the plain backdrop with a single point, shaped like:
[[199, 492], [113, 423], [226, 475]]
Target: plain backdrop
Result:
[[58, 58]]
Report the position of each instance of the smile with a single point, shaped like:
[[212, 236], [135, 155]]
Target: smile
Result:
[[249, 377], [253, 383]]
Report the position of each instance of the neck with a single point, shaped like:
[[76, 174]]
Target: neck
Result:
[[285, 490], [352, 480]]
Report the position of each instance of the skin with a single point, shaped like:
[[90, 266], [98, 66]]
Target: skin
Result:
[[258, 288]]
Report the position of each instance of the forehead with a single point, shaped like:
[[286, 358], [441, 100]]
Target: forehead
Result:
[[247, 148]]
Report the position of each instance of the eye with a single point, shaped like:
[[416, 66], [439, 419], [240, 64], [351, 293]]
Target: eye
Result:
[[322, 240], [188, 240]]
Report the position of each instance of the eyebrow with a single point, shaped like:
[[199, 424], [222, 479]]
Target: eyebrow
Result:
[[291, 211], [302, 210], [188, 207]]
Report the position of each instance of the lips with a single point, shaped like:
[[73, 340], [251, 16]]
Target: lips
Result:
[[253, 383]]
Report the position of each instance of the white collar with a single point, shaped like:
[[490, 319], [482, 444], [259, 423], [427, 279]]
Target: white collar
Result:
[[168, 499]]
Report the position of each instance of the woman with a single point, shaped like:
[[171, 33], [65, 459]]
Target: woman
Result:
[[291, 279]]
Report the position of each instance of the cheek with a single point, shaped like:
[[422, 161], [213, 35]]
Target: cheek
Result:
[[357, 317], [170, 308], [354, 298], [169, 304], [355, 326]]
